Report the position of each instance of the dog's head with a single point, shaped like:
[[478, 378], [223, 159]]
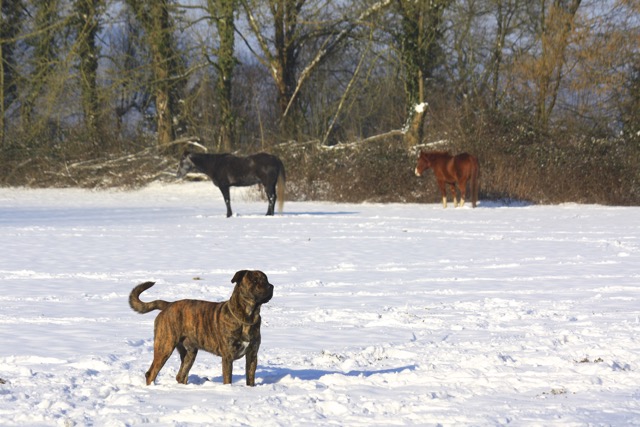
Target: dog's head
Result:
[[253, 284]]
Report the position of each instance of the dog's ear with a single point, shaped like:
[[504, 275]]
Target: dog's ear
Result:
[[237, 278]]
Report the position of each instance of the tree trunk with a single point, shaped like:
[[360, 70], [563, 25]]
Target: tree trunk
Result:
[[223, 13], [285, 14], [156, 21], [45, 56], [504, 13], [420, 51], [557, 26], [88, 26], [10, 23]]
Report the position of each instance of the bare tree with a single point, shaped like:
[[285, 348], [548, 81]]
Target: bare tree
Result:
[[557, 24], [10, 24], [605, 73], [222, 13], [155, 17], [419, 38], [630, 104], [42, 39], [296, 26], [128, 78], [506, 14], [87, 26], [279, 47], [541, 68]]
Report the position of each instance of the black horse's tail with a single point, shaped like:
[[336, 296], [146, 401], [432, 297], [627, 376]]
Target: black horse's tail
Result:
[[282, 179], [141, 306]]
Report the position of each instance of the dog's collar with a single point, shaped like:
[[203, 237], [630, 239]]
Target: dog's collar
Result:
[[240, 320]]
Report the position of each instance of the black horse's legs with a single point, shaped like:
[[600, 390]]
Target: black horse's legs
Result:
[[272, 204], [227, 200], [271, 197]]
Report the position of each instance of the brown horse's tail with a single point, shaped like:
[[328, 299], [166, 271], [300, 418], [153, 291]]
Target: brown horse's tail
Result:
[[141, 306], [475, 182], [282, 179]]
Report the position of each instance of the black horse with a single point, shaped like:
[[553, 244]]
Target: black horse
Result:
[[227, 170]]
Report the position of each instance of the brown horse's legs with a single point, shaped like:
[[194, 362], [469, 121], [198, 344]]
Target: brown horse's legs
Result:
[[463, 190], [443, 191], [454, 194]]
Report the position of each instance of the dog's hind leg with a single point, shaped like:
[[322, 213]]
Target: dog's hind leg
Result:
[[161, 353], [187, 357]]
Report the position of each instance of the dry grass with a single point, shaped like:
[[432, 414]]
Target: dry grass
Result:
[[513, 167]]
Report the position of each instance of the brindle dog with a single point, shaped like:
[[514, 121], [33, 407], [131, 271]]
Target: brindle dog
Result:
[[230, 329]]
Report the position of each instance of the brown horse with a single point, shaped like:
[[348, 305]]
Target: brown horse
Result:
[[452, 170]]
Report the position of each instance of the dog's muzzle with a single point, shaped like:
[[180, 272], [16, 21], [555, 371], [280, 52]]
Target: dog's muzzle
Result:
[[269, 294]]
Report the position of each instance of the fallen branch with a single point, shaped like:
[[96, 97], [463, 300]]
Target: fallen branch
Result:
[[318, 143], [192, 141], [395, 132]]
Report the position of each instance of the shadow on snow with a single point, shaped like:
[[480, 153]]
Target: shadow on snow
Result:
[[275, 375]]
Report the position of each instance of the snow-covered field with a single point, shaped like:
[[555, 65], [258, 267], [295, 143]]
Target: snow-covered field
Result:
[[382, 314]]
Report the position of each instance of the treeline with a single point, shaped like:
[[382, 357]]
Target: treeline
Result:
[[530, 84]]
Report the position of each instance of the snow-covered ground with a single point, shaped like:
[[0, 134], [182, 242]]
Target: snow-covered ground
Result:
[[399, 314]]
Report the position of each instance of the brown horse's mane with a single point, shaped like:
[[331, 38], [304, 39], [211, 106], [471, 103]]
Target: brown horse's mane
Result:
[[437, 152]]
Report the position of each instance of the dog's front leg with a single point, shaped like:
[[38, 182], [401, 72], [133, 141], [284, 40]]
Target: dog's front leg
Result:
[[227, 370], [251, 365]]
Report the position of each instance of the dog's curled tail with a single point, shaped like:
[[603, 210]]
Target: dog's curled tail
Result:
[[141, 306]]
